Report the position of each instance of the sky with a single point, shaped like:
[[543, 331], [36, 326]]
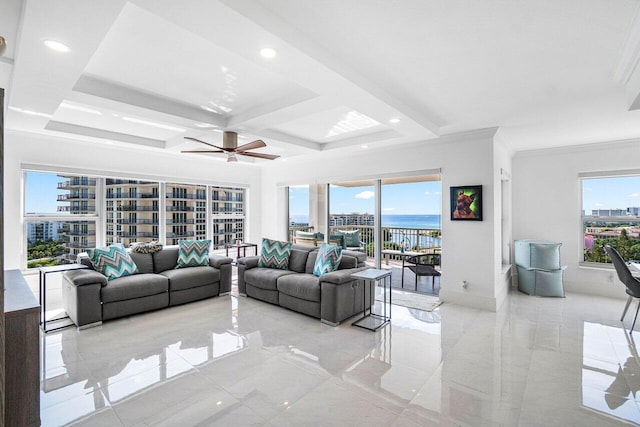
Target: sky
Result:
[[416, 198], [610, 193], [41, 192]]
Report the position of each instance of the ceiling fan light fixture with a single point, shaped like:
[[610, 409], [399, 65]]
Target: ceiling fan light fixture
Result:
[[232, 158]]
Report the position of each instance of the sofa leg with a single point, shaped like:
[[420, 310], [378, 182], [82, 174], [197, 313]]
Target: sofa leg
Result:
[[326, 322], [90, 325]]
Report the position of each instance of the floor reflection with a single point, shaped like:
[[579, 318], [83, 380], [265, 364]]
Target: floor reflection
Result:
[[610, 379], [229, 360]]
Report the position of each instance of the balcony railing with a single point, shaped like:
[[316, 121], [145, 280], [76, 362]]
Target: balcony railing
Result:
[[181, 221], [137, 208], [135, 221], [180, 208], [137, 234], [188, 196], [66, 197], [395, 238], [76, 183], [133, 196], [77, 209], [180, 234]]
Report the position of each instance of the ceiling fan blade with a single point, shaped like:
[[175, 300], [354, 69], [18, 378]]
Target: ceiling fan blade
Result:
[[258, 143], [258, 155], [206, 143], [202, 151]]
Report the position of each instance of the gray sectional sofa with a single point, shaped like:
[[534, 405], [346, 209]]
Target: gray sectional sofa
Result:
[[332, 297], [88, 298]]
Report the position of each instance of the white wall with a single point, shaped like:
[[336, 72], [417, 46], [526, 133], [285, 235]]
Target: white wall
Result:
[[547, 204], [469, 250], [23, 148]]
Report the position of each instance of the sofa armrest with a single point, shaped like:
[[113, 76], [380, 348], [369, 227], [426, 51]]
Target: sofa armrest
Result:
[[218, 260], [341, 276], [85, 277], [81, 296], [249, 262]]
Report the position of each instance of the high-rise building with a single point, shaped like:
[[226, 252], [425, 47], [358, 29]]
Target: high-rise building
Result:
[[42, 230], [81, 198], [133, 212]]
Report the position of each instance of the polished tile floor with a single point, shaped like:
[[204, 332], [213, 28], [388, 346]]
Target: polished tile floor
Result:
[[237, 361]]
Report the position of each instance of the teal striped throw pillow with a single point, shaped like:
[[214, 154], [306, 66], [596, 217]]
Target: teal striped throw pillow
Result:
[[328, 259], [193, 253], [274, 254], [113, 261]]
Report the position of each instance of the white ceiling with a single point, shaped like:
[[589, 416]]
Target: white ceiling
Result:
[[140, 73]]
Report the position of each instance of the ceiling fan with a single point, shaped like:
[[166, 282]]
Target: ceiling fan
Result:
[[230, 146]]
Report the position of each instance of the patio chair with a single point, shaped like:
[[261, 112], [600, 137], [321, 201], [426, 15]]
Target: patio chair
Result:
[[625, 276], [422, 265]]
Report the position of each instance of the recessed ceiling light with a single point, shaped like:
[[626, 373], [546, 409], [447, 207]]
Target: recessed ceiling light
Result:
[[268, 52], [209, 109], [30, 112], [364, 146], [80, 108], [394, 120], [154, 124], [56, 45]]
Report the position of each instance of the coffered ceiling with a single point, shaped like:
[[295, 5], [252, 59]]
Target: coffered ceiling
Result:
[[347, 73]]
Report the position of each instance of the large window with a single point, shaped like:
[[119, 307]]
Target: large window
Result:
[[610, 216], [60, 217], [67, 214], [227, 211]]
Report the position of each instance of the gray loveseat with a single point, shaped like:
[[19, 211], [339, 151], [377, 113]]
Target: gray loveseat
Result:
[[88, 298], [332, 297]]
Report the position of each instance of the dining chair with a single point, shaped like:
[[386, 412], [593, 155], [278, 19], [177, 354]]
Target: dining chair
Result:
[[422, 265], [625, 276]]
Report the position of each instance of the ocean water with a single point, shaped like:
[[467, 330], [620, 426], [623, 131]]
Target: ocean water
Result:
[[399, 221], [411, 221]]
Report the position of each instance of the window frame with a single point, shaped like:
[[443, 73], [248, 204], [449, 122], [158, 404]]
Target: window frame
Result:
[[612, 219], [99, 217]]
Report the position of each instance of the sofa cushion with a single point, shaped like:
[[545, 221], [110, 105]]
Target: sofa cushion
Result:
[[347, 262], [145, 247], [303, 286], [311, 262], [187, 278], [328, 259], [274, 254], [298, 260], [113, 261], [193, 253], [166, 259], [545, 256], [143, 261], [351, 238], [265, 278], [136, 286]]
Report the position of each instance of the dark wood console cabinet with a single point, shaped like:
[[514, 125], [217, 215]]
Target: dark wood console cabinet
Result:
[[22, 357]]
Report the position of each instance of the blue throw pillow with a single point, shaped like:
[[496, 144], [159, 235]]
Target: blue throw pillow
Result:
[[193, 253], [328, 259], [113, 261], [274, 254]]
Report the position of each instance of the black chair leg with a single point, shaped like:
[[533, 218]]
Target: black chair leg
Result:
[[626, 307], [636, 316]]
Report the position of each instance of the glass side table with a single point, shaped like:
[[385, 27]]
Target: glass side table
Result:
[[43, 293], [370, 278]]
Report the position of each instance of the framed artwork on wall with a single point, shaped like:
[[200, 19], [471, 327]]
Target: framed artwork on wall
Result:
[[466, 203]]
